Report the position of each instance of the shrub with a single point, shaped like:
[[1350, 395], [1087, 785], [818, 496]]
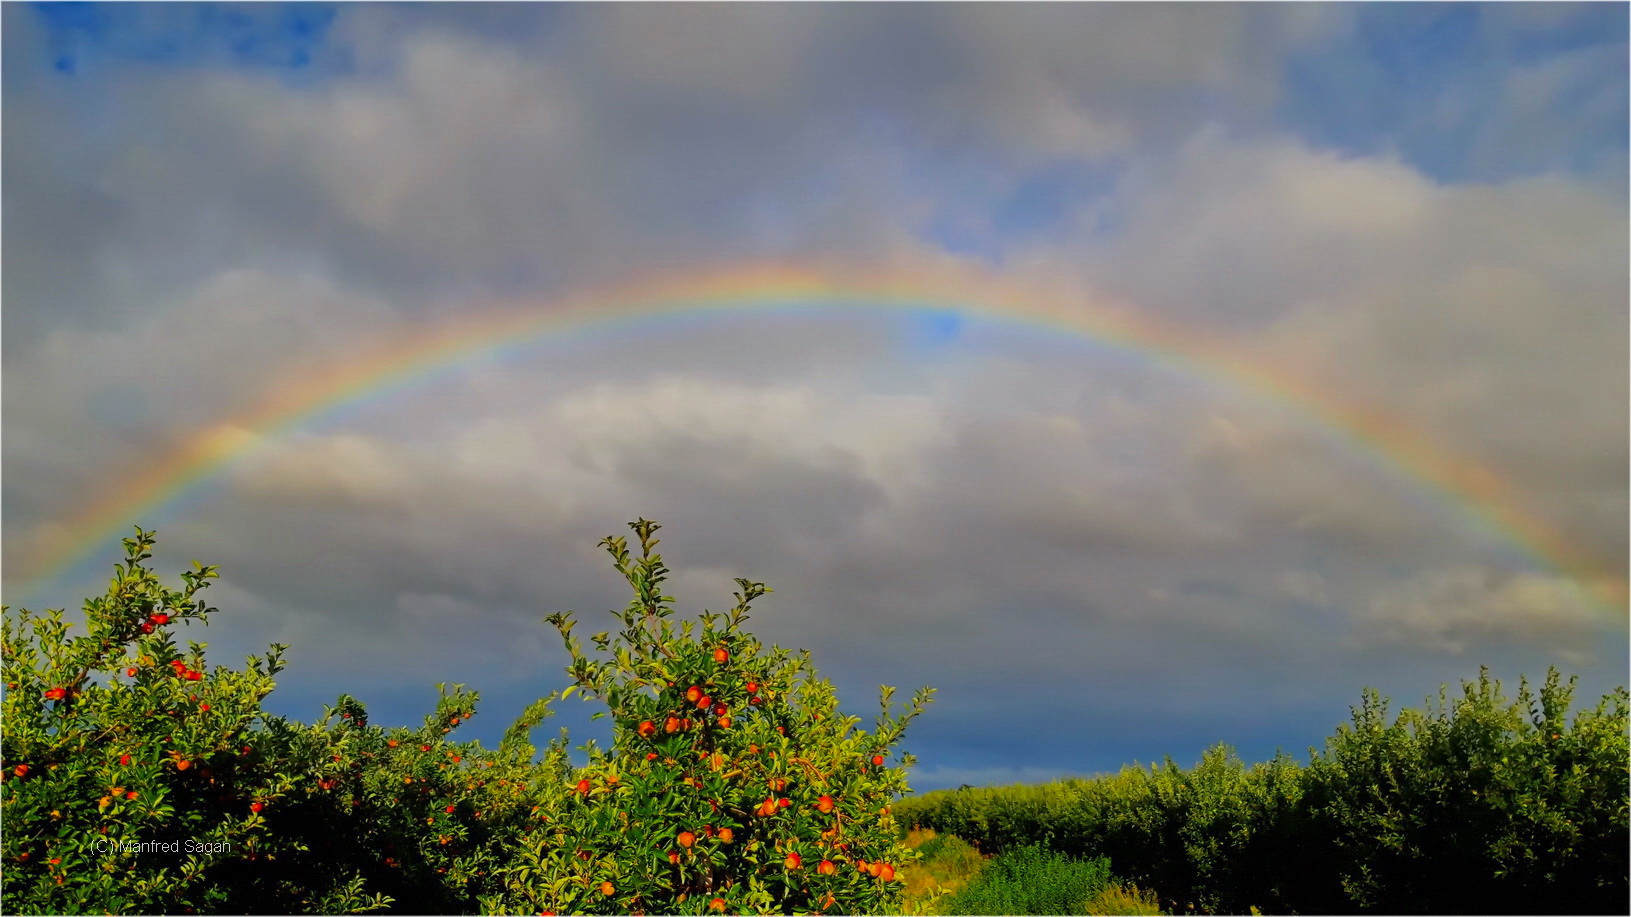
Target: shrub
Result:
[[946, 863], [734, 782], [1476, 805], [1125, 901], [1032, 880], [766, 798], [950, 849], [119, 737]]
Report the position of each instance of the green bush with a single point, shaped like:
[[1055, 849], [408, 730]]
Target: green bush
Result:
[[117, 742], [1478, 805], [948, 848], [945, 864], [1117, 900], [118, 737], [735, 784], [1220, 837], [1475, 805], [138, 779], [1032, 880]]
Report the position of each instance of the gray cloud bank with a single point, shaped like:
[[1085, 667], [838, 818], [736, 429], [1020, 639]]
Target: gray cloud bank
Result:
[[1009, 516]]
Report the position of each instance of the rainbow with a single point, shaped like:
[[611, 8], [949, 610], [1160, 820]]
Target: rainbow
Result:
[[408, 354]]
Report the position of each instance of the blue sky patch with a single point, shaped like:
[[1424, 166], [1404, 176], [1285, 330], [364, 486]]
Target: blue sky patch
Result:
[[290, 36], [993, 216], [1431, 83]]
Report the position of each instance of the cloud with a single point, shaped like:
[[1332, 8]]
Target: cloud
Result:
[[1121, 75], [336, 471], [935, 508], [1042, 525], [85, 400], [1247, 230], [412, 642], [472, 157], [1454, 610], [925, 778], [1478, 313], [750, 56], [460, 515], [1547, 114], [454, 158], [1304, 586], [1290, 478]]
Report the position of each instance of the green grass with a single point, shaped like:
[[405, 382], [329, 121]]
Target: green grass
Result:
[[1128, 900], [948, 864], [1032, 880], [954, 878]]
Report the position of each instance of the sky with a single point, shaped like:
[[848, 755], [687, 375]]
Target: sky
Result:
[[1345, 237]]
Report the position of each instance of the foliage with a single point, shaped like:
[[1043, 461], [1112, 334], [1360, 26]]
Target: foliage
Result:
[[1483, 805], [1476, 805], [119, 738], [955, 856], [1124, 901], [735, 783], [945, 864], [948, 865], [1033, 880]]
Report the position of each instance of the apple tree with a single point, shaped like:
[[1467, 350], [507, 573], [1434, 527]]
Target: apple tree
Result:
[[734, 783]]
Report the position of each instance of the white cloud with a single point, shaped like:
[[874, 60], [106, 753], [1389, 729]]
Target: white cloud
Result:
[[1478, 315], [933, 778], [471, 148], [1288, 478], [1304, 586], [1456, 609], [335, 471], [1240, 231], [879, 437], [86, 402], [746, 54]]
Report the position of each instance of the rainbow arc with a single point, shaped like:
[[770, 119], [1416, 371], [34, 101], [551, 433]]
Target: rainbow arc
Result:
[[1473, 490]]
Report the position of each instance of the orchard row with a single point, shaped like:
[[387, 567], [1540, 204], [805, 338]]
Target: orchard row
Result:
[[734, 783]]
